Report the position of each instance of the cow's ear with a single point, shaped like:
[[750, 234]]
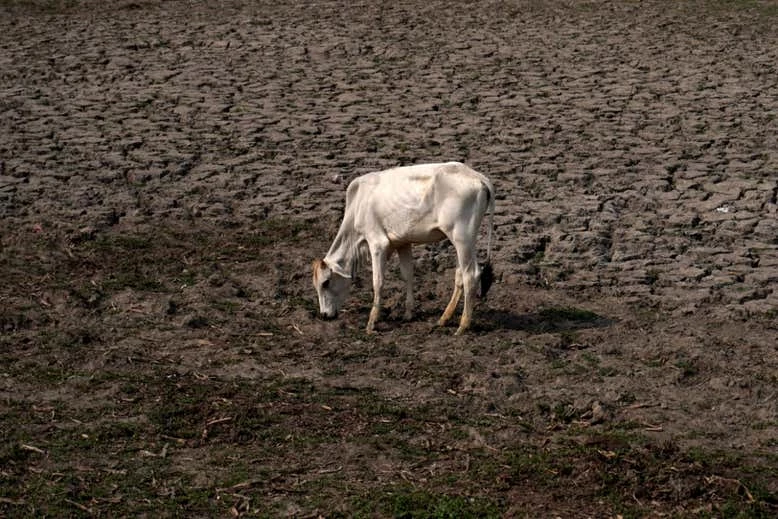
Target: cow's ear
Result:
[[320, 270]]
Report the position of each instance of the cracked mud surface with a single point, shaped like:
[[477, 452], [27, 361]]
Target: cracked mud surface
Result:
[[168, 171]]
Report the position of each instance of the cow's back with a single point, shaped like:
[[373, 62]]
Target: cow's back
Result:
[[420, 180], [406, 202]]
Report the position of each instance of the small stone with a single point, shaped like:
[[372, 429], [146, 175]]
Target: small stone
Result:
[[599, 414]]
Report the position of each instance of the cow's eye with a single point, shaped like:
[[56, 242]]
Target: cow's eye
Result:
[[326, 284]]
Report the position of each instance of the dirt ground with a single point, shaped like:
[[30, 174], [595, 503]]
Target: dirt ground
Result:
[[169, 169]]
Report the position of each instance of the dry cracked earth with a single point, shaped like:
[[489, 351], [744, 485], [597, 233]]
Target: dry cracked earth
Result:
[[168, 170]]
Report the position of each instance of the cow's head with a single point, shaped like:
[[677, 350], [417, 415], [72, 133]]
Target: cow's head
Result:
[[332, 288]]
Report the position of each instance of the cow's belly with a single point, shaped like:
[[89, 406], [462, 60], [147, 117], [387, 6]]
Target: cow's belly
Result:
[[416, 234]]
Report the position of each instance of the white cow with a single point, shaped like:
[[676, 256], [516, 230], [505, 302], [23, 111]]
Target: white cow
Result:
[[390, 211]]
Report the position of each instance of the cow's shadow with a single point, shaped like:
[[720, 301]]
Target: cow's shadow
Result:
[[547, 320]]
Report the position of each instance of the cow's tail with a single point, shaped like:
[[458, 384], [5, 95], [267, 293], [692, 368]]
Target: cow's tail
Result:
[[487, 272]]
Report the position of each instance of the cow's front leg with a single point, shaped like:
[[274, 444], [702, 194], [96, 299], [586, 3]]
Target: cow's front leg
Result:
[[406, 269], [378, 260]]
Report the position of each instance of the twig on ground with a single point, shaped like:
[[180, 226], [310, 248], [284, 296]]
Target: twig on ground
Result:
[[331, 471], [32, 448], [218, 420], [80, 506]]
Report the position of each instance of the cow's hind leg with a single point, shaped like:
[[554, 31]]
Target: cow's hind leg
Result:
[[406, 269], [468, 266], [452, 304]]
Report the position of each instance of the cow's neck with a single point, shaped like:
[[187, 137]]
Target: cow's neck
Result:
[[344, 251]]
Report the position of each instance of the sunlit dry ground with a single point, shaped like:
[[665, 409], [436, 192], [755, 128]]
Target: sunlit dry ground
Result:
[[168, 171]]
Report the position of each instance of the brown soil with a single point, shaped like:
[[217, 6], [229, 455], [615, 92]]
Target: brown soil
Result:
[[169, 170]]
